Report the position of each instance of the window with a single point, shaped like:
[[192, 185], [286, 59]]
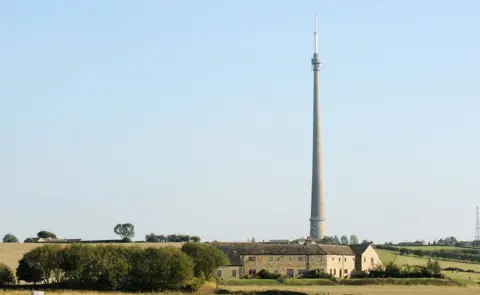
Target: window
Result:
[[334, 272], [290, 273], [219, 273], [345, 271], [270, 258], [339, 259], [275, 271], [300, 258], [330, 271], [252, 272], [234, 273], [364, 259], [333, 258], [278, 258], [252, 258], [345, 259], [371, 260]]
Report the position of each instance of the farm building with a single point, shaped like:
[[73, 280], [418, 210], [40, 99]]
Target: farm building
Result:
[[293, 260]]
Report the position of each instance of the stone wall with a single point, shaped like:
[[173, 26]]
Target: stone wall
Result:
[[229, 272], [288, 265], [340, 265]]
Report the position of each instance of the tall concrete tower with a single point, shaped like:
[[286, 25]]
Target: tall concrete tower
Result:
[[317, 216]]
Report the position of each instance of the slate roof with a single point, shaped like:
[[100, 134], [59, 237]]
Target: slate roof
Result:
[[232, 254], [235, 250], [358, 249], [336, 249]]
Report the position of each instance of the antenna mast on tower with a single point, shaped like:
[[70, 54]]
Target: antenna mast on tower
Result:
[[476, 241]]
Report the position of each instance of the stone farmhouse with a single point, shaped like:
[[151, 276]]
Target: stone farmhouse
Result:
[[293, 260]]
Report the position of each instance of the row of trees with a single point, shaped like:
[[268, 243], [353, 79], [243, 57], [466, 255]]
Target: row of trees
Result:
[[343, 240], [106, 267], [335, 240]]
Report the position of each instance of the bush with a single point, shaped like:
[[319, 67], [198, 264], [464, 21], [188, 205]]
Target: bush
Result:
[[316, 274], [6, 275], [195, 283], [265, 274]]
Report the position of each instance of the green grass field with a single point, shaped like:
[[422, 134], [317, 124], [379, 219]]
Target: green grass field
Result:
[[387, 256]]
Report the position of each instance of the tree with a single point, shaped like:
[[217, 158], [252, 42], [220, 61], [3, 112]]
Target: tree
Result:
[[354, 240], [46, 235], [344, 240], [75, 261], [40, 264], [110, 268], [206, 258], [434, 266], [450, 241], [336, 240], [125, 230], [367, 242], [6, 275], [153, 238], [10, 238], [327, 240], [159, 269], [195, 239]]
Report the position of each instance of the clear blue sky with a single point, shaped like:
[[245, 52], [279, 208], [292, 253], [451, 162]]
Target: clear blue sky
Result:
[[195, 117]]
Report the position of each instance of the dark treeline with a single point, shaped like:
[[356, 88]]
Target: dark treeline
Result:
[[469, 255], [154, 238], [121, 268]]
